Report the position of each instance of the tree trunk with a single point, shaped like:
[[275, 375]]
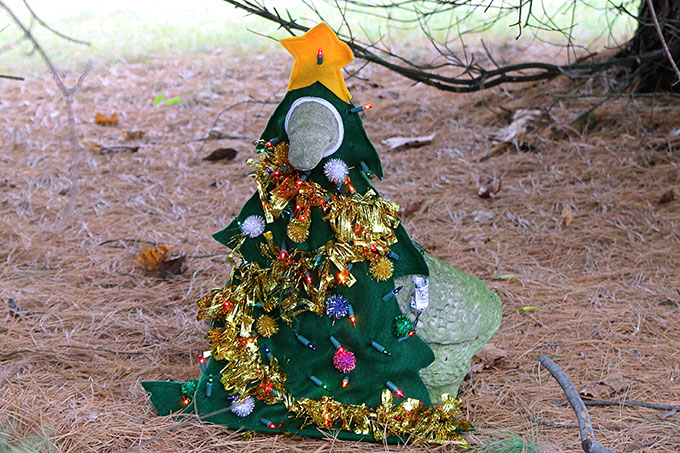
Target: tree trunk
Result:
[[654, 73]]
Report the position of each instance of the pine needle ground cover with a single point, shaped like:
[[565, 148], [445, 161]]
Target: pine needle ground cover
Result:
[[580, 243]]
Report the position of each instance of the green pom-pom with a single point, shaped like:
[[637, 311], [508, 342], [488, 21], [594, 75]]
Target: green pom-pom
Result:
[[401, 326], [189, 388]]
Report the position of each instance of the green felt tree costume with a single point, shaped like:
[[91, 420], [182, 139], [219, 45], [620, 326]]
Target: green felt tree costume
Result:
[[306, 336]]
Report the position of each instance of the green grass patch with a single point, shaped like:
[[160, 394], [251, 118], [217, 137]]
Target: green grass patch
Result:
[[13, 439], [499, 442]]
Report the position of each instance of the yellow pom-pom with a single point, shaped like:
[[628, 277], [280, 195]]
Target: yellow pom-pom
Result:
[[266, 326], [298, 231], [381, 269]]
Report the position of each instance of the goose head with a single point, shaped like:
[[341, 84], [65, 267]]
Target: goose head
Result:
[[315, 131]]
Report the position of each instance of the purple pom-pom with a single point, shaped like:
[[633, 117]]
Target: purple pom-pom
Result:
[[337, 306], [344, 360]]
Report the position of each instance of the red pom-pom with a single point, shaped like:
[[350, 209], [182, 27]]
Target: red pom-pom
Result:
[[344, 360]]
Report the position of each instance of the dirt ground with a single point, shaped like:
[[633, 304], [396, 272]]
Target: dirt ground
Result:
[[585, 232]]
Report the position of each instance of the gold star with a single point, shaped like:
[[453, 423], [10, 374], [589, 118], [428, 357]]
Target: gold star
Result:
[[306, 69]]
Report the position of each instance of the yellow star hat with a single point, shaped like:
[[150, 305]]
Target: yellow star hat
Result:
[[310, 67]]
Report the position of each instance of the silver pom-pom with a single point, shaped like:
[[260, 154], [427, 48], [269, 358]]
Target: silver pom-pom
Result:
[[243, 408], [335, 170], [253, 226]]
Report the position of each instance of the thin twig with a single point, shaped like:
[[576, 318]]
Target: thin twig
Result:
[[562, 426], [11, 77], [216, 137], [9, 354], [656, 441], [110, 351], [44, 24], [585, 426], [613, 95], [663, 41], [585, 116], [154, 243], [177, 426], [68, 100], [661, 407], [213, 136], [212, 255]]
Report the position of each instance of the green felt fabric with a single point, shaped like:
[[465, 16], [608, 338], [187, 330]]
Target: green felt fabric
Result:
[[165, 396], [373, 315], [356, 147], [367, 381], [166, 399]]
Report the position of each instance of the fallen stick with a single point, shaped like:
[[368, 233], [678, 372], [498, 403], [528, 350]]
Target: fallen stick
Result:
[[191, 418], [562, 426], [10, 77], [585, 427], [661, 407]]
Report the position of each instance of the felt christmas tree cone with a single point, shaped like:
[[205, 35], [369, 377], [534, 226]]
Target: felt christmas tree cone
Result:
[[308, 336]]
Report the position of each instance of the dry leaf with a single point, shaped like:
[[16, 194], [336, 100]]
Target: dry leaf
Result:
[[101, 149], [567, 217], [606, 387], [16, 311], [103, 120], [150, 257], [492, 354], [667, 197], [477, 368], [482, 216], [222, 154], [133, 135], [616, 382], [521, 119], [401, 143], [392, 94], [487, 191], [410, 209], [168, 268], [92, 146], [118, 149]]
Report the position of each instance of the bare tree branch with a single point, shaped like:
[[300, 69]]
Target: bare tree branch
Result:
[[11, 77], [585, 426], [663, 41], [44, 24], [66, 93], [472, 75]]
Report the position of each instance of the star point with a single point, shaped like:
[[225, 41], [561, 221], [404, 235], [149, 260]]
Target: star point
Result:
[[309, 67]]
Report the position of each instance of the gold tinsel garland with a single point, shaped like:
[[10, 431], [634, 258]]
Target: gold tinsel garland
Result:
[[410, 419], [363, 227]]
